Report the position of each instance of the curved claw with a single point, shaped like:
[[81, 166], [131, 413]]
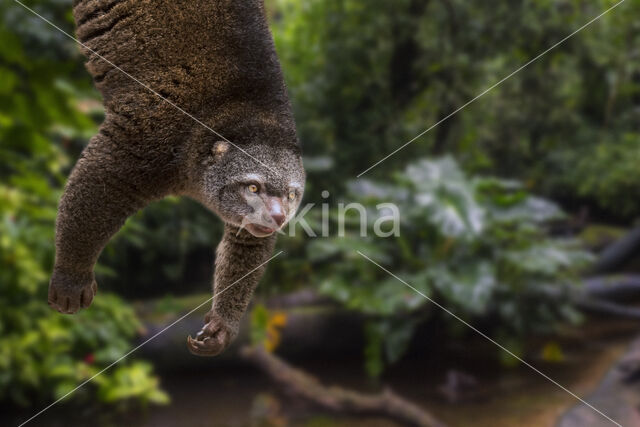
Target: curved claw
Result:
[[210, 341], [206, 347]]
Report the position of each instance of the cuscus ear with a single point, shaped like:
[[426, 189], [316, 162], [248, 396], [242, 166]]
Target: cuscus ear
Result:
[[219, 149]]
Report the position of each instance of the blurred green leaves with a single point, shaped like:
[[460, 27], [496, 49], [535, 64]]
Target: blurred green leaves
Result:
[[366, 76], [44, 94], [133, 382], [607, 171], [479, 246]]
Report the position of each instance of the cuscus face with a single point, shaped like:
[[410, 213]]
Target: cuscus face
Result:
[[258, 189]]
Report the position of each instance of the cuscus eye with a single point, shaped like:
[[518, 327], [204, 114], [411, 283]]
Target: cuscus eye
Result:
[[253, 188], [292, 195]]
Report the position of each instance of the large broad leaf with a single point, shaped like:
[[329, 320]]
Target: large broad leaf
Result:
[[447, 197], [550, 258], [470, 286], [323, 249], [387, 341], [531, 209]]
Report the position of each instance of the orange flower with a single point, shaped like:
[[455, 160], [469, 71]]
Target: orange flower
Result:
[[275, 324]]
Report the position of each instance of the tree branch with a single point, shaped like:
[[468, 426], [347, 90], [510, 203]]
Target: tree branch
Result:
[[299, 384]]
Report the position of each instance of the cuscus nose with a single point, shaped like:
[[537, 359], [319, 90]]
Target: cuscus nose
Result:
[[278, 218], [277, 211]]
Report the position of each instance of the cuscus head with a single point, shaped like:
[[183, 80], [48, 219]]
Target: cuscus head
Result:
[[256, 187]]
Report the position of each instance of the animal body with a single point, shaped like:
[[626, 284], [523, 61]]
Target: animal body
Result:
[[216, 61]]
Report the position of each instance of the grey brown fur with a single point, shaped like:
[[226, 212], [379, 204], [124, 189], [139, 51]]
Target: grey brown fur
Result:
[[216, 60]]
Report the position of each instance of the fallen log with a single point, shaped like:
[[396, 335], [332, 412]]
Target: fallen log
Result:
[[609, 295], [618, 253], [607, 308], [338, 400], [623, 287]]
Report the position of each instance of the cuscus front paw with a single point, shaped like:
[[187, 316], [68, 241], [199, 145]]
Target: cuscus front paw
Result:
[[212, 339], [68, 294]]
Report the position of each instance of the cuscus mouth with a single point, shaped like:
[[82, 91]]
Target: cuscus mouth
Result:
[[259, 230]]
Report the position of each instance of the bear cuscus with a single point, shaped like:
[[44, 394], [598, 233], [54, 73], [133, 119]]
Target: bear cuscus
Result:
[[196, 106]]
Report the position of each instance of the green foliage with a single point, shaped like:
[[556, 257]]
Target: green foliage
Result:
[[478, 246], [45, 102], [386, 342], [606, 173], [259, 324], [131, 382], [367, 76]]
